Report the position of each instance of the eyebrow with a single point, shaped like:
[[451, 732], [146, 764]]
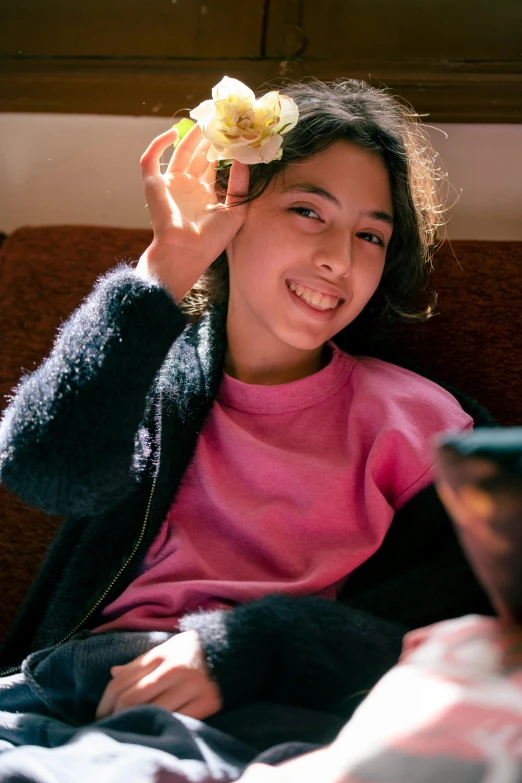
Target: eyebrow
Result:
[[309, 187]]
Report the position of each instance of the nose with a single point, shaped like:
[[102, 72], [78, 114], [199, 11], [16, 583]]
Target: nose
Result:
[[334, 254]]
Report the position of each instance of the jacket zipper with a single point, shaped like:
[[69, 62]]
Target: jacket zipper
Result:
[[120, 572], [17, 669]]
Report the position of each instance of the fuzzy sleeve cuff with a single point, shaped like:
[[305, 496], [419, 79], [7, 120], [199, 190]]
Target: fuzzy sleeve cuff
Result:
[[312, 652]]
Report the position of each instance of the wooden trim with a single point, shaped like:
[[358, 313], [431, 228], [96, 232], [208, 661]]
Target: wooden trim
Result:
[[197, 29], [453, 61], [446, 91], [421, 30]]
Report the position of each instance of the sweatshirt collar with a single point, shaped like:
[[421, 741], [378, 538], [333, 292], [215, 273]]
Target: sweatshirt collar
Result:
[[287, 397]]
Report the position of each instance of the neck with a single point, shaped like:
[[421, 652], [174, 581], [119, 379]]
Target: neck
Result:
[[268, 372], [265, 360]]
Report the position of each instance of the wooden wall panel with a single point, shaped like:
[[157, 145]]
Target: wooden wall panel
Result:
[[131, 28], [157, 88], [454, 60], [396, 30]]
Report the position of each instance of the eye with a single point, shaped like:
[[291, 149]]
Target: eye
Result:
[[374, 239], [305, 212]]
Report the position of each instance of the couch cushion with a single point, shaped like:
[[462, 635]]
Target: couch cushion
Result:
[[475, 341]]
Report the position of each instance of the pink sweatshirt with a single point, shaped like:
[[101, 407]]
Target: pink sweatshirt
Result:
[[290, 489]]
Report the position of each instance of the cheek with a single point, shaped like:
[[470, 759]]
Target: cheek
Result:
[[370, 275], [257, 256], [366, 276], [378, 272]]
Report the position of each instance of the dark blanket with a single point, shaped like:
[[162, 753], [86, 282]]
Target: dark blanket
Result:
[[48, 730]]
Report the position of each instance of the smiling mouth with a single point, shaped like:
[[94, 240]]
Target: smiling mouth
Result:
[[313, 298]]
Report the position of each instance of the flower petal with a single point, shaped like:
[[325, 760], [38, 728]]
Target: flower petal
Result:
[[213, 132], [270, 148], [228, 87], [247, 155], [242, 128], [250, 155], [270, 101], [203, 113], [289, 114], [242, 141], [212, 154]]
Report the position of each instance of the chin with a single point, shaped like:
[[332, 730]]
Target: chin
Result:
[[305, 342]]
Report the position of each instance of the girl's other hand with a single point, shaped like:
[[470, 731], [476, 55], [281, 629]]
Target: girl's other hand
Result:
[[191, 226], [173, 675]]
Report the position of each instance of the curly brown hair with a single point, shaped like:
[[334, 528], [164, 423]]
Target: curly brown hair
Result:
[[352, 110]]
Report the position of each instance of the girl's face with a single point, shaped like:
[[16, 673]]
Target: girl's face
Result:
[[311, 251]]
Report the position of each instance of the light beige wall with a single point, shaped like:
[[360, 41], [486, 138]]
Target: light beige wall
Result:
[[83, 169]]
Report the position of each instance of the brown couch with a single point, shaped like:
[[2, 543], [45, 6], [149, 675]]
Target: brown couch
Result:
[[475, 343]]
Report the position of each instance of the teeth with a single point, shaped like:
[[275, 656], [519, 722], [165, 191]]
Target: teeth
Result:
[[314, 298]]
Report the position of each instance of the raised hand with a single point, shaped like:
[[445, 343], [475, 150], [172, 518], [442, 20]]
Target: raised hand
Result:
[[191, 225]]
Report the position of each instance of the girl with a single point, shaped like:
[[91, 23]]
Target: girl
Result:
[[237, 486]]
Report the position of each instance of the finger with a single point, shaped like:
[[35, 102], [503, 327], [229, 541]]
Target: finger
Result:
[[146, 690], [168, 698], [198, 162], [154, 655], [124, 680], [177, 699], [185, 149], [209, 176], [150, 160], [238, 181], [200, 708], [137, 667]]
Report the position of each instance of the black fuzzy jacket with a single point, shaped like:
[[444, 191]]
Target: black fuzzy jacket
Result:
[[102, 433]]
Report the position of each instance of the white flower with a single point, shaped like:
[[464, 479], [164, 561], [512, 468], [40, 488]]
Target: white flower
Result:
[[243, 128]]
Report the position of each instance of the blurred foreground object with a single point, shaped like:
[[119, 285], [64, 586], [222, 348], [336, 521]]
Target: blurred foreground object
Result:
[[480, 483]]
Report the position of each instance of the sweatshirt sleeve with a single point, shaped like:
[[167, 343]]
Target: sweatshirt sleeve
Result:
[[68, 437]]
